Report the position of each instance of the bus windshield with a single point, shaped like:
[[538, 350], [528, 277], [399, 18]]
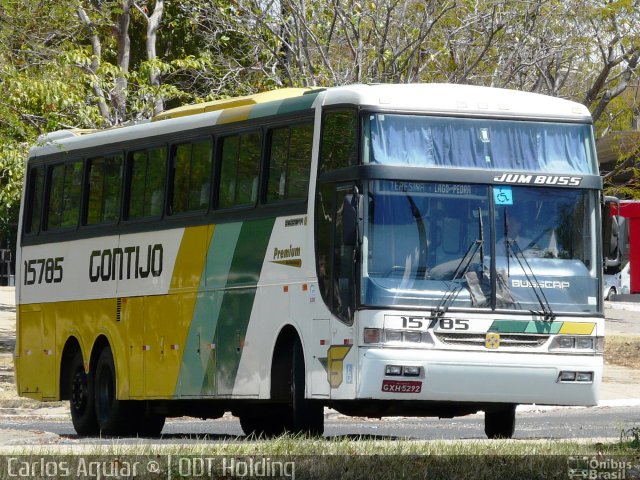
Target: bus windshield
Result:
[[422, 141], [435, 245]]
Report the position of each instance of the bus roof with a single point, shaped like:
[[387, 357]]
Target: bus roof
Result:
[[446, 99], [227, 103], [455, 99]]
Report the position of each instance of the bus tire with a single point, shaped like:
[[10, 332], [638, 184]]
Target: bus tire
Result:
[[262, 423], [305, 416], [82, 402], [500, 423], [150, 424], [114, 416]]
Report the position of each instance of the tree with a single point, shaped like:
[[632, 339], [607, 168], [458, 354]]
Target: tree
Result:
[[11, 175], [107, 25]]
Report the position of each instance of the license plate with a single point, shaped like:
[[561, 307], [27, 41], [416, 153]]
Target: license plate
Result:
[[401, 386]]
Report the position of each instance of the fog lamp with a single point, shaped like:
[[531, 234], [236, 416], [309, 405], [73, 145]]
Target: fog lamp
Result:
[[395, 370], [584, 377], [411, 371], [567, 376]]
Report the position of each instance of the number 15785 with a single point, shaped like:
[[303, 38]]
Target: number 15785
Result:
[[43, 270]]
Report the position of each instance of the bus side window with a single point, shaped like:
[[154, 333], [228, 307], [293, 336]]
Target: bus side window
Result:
[[339, 147], [34, 203], [191, 176], [105, 185], [239, 170], [147, 174], [64, 195], [289, 163]]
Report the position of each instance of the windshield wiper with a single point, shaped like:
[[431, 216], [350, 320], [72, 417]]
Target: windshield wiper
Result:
[[547, 312], [461, 270]]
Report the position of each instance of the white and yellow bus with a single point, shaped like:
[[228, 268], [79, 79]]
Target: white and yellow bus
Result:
[[414, 250]]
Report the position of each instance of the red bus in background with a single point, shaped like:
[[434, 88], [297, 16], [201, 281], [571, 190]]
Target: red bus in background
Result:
[[628, 212]]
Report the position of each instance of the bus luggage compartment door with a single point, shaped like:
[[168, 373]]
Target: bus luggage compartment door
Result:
[[36, 354]]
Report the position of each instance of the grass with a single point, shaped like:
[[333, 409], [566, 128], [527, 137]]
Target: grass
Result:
[[623, 350], [364, 457], [353, 459]]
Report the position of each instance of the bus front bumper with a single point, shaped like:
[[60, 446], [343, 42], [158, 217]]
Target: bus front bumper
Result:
[[475, 376]]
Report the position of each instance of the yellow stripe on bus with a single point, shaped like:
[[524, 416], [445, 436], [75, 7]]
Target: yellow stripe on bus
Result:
[[577, 328], [191, 257]]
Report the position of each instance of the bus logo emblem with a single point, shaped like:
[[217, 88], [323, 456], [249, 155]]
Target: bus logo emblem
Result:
[[492, 340]]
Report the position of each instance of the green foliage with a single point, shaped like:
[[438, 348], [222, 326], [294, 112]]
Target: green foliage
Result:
[[51, 77], [11, 175]]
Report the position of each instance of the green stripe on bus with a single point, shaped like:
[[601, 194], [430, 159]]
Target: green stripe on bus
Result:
[[508, 326], [525, 326], [297, 103], [537, 326], [237, 303], [264, 109], [287, 105], [223, 308], [197, 371]]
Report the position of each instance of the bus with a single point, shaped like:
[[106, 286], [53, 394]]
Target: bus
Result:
[[381, 250], [624, 216]]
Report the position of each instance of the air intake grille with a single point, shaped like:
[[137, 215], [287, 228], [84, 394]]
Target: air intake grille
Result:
[[506, 340]]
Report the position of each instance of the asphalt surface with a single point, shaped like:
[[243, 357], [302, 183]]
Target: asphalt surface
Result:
[[618, 411]]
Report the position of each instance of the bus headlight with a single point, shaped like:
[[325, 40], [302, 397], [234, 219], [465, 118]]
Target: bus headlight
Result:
[[566, 342], [392, 336], [577, 344], [413, 338], [584, 342], [573, 377]]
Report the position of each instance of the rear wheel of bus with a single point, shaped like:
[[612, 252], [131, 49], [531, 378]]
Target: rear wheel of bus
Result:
[[121, 417], [114, 416], [82, 403], [148, 423]]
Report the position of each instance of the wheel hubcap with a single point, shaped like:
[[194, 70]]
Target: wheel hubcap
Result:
[[79, 391]]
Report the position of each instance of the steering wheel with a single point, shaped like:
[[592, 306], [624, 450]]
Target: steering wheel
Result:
[[533, 244]]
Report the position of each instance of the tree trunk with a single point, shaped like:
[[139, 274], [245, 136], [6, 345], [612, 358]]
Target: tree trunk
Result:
[[96, 50], [119, 92], [153, 23]]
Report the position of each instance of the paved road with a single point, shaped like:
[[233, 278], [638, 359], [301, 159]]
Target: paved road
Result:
[[563, 423], [622, 318]]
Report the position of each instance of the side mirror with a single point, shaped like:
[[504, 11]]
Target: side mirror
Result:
[[352, 219], [611, 233]]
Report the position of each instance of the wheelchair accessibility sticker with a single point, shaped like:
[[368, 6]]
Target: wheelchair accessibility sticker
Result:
[[502, 195]]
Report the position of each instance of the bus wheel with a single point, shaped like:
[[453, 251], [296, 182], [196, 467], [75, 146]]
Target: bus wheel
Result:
[[262, 422], [147, 422], [150, 424], [500, 423], [114, 416], [82, 406], [305, 416]]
